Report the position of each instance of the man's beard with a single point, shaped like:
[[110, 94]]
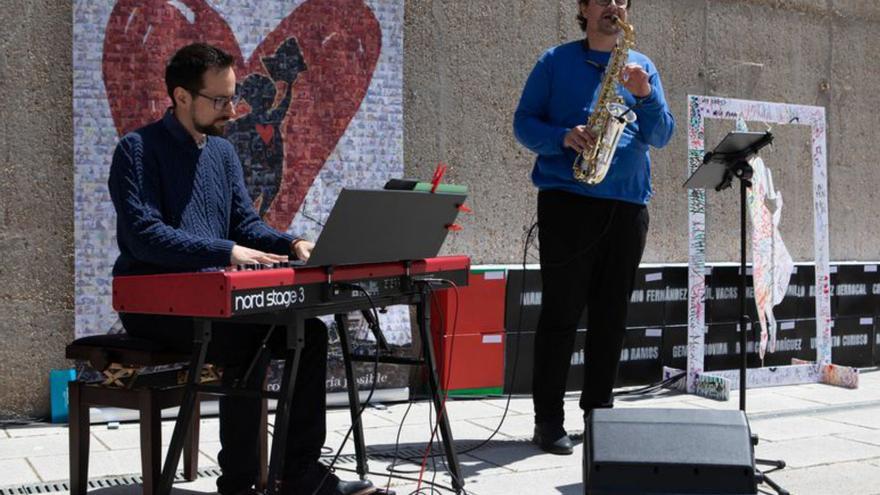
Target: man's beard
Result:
[[213, 129]]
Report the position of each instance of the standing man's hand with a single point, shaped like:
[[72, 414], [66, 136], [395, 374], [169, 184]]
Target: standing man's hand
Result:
[[636, 80], [580, 138], [246, 256], [302, 248]]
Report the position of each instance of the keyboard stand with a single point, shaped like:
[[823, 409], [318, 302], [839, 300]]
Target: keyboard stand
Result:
[[293, 320]]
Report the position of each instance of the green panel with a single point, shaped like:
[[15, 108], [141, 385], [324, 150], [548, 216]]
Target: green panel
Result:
[[477, 391], [442, 188]]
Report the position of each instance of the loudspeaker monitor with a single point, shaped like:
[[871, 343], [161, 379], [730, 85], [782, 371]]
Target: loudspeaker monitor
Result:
[[668, 451]]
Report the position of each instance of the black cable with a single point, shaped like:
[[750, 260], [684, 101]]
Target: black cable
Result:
[[357, 418], [391, 469], [529, 240], [433, 432], [402, 478], [526, 244], [589, 247], [242, 382], [444, 386], [530, 235], [652, 387]]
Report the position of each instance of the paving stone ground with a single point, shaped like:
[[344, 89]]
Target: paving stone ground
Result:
[[829, 438]]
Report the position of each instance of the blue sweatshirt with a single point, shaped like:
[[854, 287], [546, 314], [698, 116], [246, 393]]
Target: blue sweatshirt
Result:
[[181, 207], [560, 94]]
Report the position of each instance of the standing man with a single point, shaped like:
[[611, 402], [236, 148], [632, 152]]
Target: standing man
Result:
[[182, 205], [591, 236]]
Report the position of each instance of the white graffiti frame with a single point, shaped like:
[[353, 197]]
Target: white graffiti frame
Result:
[[699, 109]]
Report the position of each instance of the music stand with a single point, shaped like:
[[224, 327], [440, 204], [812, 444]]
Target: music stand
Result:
[[374, 226], [728, 160]]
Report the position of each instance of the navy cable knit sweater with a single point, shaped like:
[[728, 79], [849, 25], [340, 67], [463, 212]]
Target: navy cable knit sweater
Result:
[[180, 207]]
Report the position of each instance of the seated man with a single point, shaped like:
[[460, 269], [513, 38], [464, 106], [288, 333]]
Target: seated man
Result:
[[182, 205]]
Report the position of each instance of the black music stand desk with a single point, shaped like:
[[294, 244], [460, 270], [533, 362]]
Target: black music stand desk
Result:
[[375, 226], [729, 160]]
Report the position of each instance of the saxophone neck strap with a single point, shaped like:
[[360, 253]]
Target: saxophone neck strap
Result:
[[592, 63], [599, 67]]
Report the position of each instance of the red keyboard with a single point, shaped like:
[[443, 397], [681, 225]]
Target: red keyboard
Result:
[[254, 290]]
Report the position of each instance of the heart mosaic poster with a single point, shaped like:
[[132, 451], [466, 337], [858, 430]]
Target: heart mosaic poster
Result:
[[321, 83]]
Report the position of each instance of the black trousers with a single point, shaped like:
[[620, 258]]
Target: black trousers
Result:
[[233, 346], [590, 252]]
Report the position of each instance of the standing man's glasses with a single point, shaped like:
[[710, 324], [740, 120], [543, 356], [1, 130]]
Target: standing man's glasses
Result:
[[619, 3], [220, 102]]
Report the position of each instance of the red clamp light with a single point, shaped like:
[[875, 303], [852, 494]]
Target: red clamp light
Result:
[[464, 209], [454, 227]]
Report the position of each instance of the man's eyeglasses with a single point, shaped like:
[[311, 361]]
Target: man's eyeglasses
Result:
[[619, 3], [220, 102]]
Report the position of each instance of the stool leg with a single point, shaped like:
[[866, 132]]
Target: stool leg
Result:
[[78, 437], [191, 450], [263, 476], [151, 439]]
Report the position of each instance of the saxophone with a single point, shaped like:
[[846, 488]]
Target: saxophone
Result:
[[609, 117]]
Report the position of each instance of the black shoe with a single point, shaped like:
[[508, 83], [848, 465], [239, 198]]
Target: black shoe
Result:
[[552, 439], [317, 478], [357, 487]]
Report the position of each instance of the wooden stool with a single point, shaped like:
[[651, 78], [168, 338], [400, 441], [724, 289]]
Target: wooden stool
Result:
[[120, 358]]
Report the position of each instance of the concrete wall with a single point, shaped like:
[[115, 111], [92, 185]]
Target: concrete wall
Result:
[[36, 200], [465, 64], [467, 61]]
